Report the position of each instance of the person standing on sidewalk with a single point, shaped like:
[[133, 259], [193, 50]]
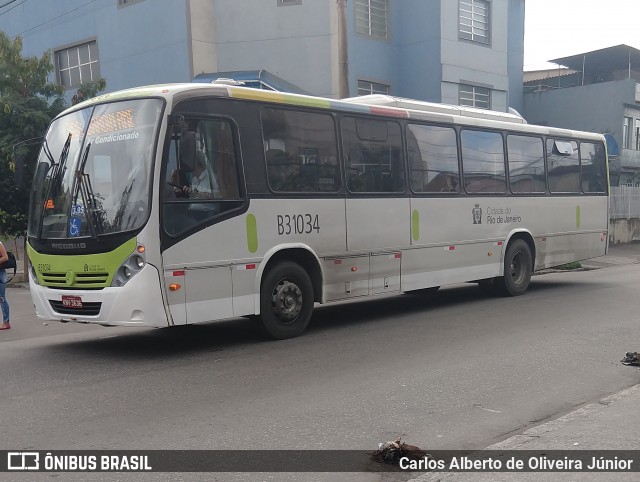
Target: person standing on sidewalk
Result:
[[4, 257]]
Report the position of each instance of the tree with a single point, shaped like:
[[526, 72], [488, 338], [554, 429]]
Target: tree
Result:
[[28, 102]]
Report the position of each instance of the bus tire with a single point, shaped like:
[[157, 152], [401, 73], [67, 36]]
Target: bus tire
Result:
[[286, 301], [518, 266]]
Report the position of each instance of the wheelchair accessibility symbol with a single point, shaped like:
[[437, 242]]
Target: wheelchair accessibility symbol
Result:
[[74, 226]]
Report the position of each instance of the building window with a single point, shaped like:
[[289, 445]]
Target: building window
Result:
[[637, 134], [284, 3], [78, 64], [371, 18], [126, 3], [474, 96], [627, 132], [474, 21], [365, 88]]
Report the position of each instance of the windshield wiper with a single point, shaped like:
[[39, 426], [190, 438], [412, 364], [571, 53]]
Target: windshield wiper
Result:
[[53, 180], [86, 191]]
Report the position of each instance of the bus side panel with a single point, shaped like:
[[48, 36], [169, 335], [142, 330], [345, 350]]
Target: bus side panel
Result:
[[452, 241], [377, 224], [567, 229]]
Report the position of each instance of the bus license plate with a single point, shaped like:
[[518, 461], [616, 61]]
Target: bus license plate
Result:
[[72, 302]]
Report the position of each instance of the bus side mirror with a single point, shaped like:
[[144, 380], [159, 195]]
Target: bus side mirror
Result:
[[188, 150]]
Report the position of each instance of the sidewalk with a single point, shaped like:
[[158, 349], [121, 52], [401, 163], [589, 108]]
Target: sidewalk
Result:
[[610, 424]]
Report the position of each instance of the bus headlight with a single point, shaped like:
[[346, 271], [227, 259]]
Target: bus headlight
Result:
[[132, 266]]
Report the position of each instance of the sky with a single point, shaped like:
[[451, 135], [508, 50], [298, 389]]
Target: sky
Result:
[[559, 28]]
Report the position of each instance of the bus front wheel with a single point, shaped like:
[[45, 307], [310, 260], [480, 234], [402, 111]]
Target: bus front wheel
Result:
[[286, 301]]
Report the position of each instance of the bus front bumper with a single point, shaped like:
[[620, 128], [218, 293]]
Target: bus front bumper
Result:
[[138, 303]]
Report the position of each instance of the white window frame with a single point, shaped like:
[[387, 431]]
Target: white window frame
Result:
[[372, 18], [474, 21], [286, 3], [474, 96], [73, 62], [367, 87], [627, 132]]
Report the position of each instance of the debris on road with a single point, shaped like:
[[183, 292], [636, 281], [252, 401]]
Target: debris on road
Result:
[[631, 358], [392, 452]]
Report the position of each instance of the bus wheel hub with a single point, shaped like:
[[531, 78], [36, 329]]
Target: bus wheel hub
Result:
[[287, 301]]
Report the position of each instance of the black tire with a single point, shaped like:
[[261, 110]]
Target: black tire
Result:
[[286, 301], [518, 266]]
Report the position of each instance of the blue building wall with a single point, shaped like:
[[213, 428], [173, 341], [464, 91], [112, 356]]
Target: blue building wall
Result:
[[409, 60], [135, 48], [515, 54], [417, 41], [157, 41]]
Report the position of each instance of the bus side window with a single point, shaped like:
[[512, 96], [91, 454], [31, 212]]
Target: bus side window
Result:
[[433, 158], [301, 152], [483, 161], [374, 161], [215, 190], [593, 167], [563, 164]]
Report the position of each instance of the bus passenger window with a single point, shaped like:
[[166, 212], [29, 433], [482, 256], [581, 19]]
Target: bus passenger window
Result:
[[564, 166], [373, 155], [301, 152], [525, 156], [433, 159], [593, 167], [483, 161]]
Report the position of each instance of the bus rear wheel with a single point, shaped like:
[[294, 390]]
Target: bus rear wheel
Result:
[[286, 301], [518, 265]]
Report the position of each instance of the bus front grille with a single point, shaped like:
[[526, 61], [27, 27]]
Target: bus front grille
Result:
[[87, 309], [81, 280]]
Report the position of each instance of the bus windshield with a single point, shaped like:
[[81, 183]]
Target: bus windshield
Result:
[[93, 172]]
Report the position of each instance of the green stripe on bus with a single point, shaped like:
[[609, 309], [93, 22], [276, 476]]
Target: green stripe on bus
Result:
[[252, 233], [415, 221], [577, 216]]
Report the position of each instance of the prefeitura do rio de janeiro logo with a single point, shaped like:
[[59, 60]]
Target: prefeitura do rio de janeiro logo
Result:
[[477, 214]]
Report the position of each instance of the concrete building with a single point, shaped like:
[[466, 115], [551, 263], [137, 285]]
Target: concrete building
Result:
[[597, 91], [467, 52]]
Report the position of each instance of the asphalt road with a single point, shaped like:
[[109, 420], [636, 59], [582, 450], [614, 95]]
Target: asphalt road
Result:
[[456, 371]]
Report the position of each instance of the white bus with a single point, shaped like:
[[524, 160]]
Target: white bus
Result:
[[175, 204]]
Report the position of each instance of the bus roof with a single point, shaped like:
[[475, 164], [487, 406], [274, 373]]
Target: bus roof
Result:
[[370, 104]]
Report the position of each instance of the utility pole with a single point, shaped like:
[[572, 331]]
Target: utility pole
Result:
[[343, 51]]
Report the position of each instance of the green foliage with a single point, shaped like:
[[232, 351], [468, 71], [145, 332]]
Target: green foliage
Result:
[[28, 102], [88, 90]]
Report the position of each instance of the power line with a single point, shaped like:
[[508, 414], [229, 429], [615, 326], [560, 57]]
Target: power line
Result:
[[54, 18], [9, 3]]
